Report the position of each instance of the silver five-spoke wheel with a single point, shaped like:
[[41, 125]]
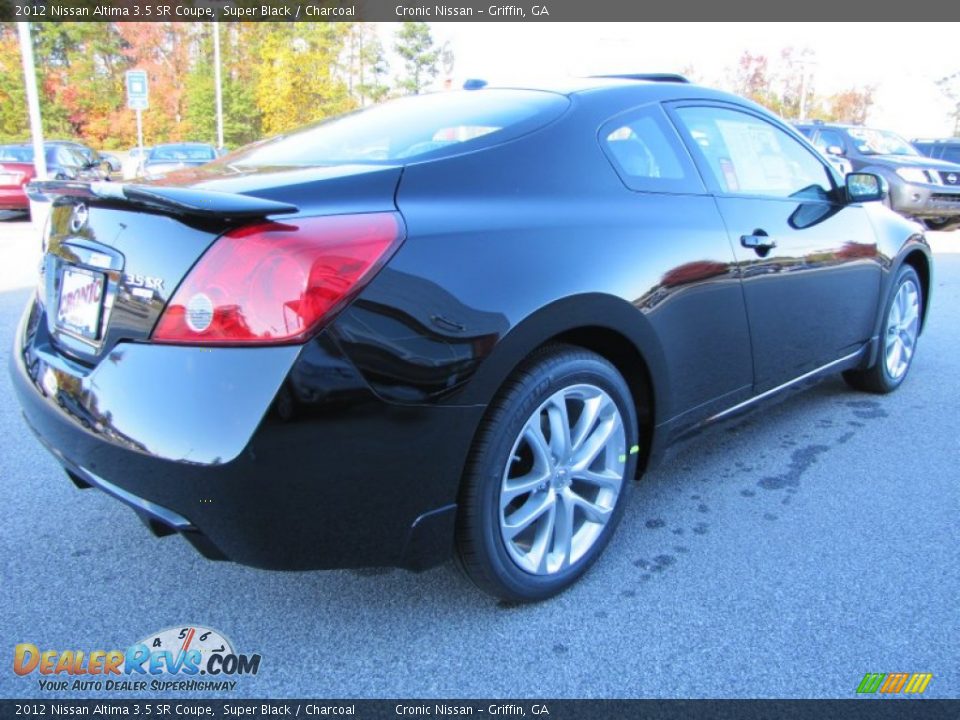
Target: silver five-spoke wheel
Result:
[[562, 479], [903, 326]]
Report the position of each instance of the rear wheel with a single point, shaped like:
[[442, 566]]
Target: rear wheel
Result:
[[548, 475], [898, 342]]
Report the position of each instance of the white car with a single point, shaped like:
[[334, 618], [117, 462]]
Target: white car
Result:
[[133, 162]]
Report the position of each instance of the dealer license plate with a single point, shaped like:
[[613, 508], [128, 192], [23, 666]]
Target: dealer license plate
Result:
[[81, 301]]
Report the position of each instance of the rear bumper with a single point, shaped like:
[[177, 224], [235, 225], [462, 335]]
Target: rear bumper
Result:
[[277, 457], [13, 199]]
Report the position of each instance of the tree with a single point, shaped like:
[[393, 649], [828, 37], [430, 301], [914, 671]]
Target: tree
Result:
[[165, 50], [950, 86], [201, 111], [299, 78], [415, 46], [848, 106], [753, 79], [367, 65], [797, 92], [13, 102], [79, 86]]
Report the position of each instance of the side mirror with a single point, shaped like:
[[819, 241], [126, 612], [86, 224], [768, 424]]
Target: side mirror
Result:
[[835, 150], [866, 187]]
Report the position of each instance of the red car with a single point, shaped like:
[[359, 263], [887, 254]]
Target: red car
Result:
[[16, 170]]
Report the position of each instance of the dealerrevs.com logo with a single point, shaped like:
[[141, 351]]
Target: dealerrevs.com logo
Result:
[[185, 658]]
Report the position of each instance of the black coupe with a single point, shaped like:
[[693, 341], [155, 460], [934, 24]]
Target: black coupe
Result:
[[456, 324]]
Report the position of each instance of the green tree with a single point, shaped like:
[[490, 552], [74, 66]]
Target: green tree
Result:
[[414, 44], [200, 100], [367, 66], [78, 75], [13, 102], [241, 120]]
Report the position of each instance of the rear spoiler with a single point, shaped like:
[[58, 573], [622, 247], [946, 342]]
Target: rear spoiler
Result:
[[169, 200]]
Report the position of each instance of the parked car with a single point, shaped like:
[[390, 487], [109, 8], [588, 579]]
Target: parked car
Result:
[[105, 162], [920, 186], [839, 163], [945, 149], [133, 163], [17, 169], [177, 156], [454, 324]]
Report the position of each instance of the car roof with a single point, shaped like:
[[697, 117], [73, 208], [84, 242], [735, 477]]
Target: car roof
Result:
[[840, 126], [179, 144], [634, 88]]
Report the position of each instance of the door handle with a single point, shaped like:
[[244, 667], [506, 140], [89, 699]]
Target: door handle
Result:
[[759, 241]]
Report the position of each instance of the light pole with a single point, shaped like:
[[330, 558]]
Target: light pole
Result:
[[804, 64], [33, 101], [216, 75]]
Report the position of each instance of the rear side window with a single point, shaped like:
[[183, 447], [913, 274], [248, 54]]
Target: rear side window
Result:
[[413, 128], [647, 154]]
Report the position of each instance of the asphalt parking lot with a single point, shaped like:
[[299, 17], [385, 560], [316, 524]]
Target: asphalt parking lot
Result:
[[785, 556]]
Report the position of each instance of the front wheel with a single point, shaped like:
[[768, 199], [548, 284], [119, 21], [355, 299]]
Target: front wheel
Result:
[[898, 343], [548, 475], [942, 224]]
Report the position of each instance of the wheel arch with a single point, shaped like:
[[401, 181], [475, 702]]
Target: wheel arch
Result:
[[606, 325], [919, 261]]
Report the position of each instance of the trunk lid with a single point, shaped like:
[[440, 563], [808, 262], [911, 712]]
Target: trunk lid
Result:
[[14, 174], [115, 254]]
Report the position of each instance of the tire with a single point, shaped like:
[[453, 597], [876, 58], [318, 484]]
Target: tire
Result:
[[942, 224], [902, 315], [513, 474]]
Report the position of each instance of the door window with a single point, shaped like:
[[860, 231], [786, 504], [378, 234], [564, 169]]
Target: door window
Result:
[[829, 138], [952, 153], [749, 156]]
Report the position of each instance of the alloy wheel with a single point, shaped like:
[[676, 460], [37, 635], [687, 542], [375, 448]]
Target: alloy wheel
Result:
[[562, 480], [903, 325]]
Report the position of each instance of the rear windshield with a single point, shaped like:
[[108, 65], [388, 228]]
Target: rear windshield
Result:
[[16, 154], [413, 128], [181, 152]]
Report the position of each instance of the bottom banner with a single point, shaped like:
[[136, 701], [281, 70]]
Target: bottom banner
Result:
[[878, 709]]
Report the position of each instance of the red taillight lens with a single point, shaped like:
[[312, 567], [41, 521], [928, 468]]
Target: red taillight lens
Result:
[[275, 282]]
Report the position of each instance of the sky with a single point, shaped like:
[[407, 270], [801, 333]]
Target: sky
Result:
[[902, 60]]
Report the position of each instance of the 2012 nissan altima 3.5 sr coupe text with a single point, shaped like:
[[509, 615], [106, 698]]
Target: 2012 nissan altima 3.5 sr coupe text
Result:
[[457, 324]]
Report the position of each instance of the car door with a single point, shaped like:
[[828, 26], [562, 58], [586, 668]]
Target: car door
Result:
[[808, 260], [692, 295]]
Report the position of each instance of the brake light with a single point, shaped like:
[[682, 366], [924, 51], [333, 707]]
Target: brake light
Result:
[[276, 282]]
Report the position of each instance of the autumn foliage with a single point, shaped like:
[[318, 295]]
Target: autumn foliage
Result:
[[276, 76]]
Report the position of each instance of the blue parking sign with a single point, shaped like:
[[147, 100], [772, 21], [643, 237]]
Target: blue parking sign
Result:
[[137, 89]]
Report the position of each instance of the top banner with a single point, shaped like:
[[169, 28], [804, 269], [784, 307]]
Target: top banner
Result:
[[470, 11]]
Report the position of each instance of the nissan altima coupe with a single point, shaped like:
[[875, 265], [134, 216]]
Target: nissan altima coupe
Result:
[[454, 325]]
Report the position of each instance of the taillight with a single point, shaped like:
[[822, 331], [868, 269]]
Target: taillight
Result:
[[276, 282]]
